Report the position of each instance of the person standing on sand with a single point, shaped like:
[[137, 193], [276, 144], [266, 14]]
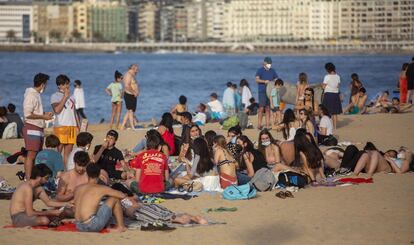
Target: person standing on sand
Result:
[[114, 90], [34, 120], [79, 96], [403, 84], [264, 75], [331, 98], [410, 81], [131, 92], [66, 121]]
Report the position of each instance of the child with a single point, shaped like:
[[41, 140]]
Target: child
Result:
[[216, 108], [200, 117], [179, 109], [79, 96], [275, 101], [393, 107], [251, 110], [115, 90], [301, 85]]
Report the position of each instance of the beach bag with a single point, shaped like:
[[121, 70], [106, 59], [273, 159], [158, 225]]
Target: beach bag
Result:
[[263, 180], [10, 132], [230, 122], [241, 192], [210, 183], [330, 141], [290, 178], [243, 120]]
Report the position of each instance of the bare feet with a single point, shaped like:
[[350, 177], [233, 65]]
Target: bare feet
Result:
[[118, 229], [200, 220]]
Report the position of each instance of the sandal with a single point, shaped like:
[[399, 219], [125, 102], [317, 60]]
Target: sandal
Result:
[[281, 195], [20, 175], [289, 194]]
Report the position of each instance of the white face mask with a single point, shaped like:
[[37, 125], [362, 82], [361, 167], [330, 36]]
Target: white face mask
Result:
[[234, 140], [265, 143], [268, 66], [401, 155]]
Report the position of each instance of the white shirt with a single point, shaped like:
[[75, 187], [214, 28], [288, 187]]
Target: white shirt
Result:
[[71, 164], [79, 98], [200, 117], [32, 104], [332, 82], [326, 122], [215, 106], [67, 116], [246, 95]]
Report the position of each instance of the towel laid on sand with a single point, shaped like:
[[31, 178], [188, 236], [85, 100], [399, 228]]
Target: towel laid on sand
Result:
[[65, 226]]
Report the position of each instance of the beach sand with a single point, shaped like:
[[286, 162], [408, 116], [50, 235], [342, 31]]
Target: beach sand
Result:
[[378, 213]]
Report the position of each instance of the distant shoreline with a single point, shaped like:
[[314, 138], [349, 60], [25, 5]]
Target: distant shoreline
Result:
[[181, 48]]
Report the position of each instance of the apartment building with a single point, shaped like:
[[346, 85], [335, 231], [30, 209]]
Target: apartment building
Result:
[[16, 22]]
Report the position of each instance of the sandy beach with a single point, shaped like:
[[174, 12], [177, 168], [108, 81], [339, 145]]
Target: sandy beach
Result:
[[378, 213]]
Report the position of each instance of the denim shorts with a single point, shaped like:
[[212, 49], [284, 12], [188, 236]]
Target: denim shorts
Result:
[[97, 221]]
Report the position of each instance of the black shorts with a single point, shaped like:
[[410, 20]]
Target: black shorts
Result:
[[130, 102]]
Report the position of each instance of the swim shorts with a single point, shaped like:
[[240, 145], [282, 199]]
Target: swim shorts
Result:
[[33, 137], [97, 222], [22, 219], [130, 102], [263, 99], [66, 134]]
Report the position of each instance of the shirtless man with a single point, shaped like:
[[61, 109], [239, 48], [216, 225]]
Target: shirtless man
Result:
[[73, 178], [89, 215], [21, 205], [131, 92], [357, 105]]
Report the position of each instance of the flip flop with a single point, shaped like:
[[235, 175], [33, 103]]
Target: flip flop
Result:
[[289, 194], [20, 175], [281, 195]]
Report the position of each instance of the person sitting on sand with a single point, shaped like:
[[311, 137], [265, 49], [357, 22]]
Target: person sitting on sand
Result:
[[288, 125], [251, 110], [269, 148], [225, 162], [107, 156], [357, 105], [232, 134], [391, 107], [200, 117], [152, 172], [51, 157], [165, 128], [325, 124], [89, 214], [73, 178], [308, 158], [83, 143], [200, 166], [383, 99], [179, 108], [310, 103], [189, 135], [372, 161], [250, 160], [142, 145], [209, 137], [399, 160], [216, 108], [21, 205], [307, 123]]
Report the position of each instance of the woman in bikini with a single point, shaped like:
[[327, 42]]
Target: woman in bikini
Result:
[[309, 103], [308, 158], [225, 162], [372, 161], [179, 108], [250, 160], [269, 148], [307, 123]]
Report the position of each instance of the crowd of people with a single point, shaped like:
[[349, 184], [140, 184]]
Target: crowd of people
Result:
[[78, 180]]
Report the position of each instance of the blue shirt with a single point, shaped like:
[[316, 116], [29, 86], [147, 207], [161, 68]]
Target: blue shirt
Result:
[[275, 97], [52, 159], [264, 74]]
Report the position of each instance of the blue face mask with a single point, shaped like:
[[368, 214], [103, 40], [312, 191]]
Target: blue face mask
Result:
[[234, 140]]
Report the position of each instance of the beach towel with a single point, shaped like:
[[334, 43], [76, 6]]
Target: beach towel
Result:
[[357, 180], [65, 226]]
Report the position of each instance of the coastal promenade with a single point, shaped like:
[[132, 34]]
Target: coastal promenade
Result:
[[353, 46]]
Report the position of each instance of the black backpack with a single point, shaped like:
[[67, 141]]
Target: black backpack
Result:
[[290, 178]]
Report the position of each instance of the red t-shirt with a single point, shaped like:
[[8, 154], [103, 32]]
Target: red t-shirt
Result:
[[153, 165]]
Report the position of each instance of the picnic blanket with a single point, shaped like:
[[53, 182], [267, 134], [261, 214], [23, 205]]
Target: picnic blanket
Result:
[[65, 226]]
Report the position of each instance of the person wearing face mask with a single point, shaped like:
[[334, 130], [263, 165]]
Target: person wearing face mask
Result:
[[399, 161], [232, 135], [264, 75], [83, 143], [34, 120], [250, 160], [269, 149]]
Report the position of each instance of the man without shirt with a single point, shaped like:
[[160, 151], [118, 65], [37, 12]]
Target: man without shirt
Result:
[[89, 215], [131, 92], [21, 205], [73, 178]]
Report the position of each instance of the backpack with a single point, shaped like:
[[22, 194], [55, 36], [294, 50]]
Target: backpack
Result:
[[10, 132], [263, 180], [290, 178], [230, 122], [241, 192]]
